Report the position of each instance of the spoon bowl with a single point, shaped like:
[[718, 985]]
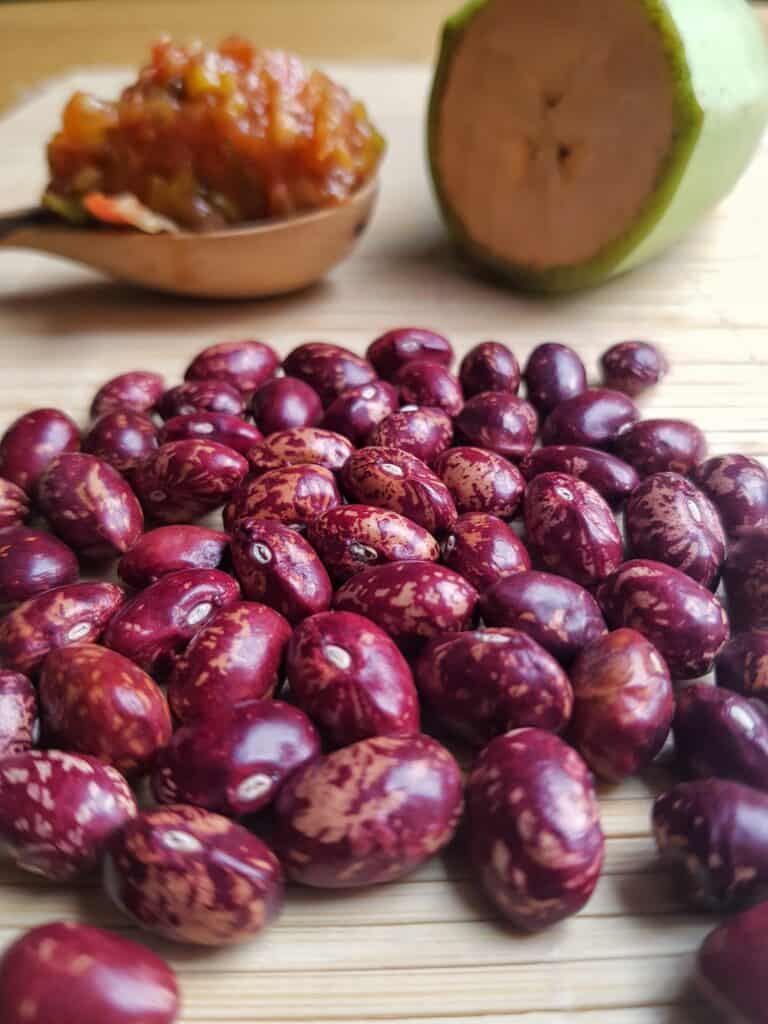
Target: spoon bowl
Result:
[[253, 261]]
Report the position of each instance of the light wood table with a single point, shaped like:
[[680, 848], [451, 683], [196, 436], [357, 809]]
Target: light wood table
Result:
[[426, 950]]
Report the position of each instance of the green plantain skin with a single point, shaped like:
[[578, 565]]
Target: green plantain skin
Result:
[[719, 64]]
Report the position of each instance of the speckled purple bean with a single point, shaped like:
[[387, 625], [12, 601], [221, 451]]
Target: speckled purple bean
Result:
[[350, 538], [499, 421], [356, 412], [481, 481], [245, 364], [329, 369], [485, 682], [661, 446], [301, 445], [14, 505], [742, 665], [201, 396], [58, 811], [231, 431], [570, 529], [393, 479], [32, 562], [593, 418], [277, 566], [412, 601], [560, 615], [235, 658], [426, 383], [235, 760], [351, 679], [489, 366], [534, 827], [19, 720], [425, 433], [74, 974], [610, 476], [484, 550], [137, 391], [632, 367], [90, 506], [185, 480], [623, 704], [711, 833], [158, 623], [167, 549], [732, 967], [193, 876], [392, 350], [285, 403], [368, 813], [738, 488], [122, 438], [32, 442], [553, 374], [75, 613], [745, 575], [294, 495]]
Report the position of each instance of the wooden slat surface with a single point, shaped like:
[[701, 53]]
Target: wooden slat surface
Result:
[[427, 950]]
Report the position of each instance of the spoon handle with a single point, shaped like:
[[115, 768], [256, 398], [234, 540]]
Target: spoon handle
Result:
[[26, 218]]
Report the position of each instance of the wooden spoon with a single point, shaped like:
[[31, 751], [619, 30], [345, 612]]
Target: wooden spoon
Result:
[[272, 258]]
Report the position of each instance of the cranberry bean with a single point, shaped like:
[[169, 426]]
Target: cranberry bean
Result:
[[284, 404], [76, 613], [96, 702], [711, 833], [632, 367], [553, 374], [610, 476], [170, 548], [231, 431], [681, 618], [368, 813], [356, 412], [351, 679], [410, 600], [32, 562], [235, 658], [593, 418], [484, 550], [186, 480], [745, 574], [292, 494], [157, 624], [733, 966], [19, 722], [193, 876], [738, 488], [481, 481], [425, 383], [535, 835], [301, 445], [570, 529], [122, 438], [669, 520], [32, 442], [277, 566], [235, 760], [246, 364], [499, 421], [624, 704], [201, 396], [394, 349], [58, 811], [353, 537], [329, 369], [74, 974], [393, 479], [425, 433], [660, 446], [489, 366], [137, 391], [487, 681], [719, 734], [560, 615], [14, 505], [90, 506], [742, 665]]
